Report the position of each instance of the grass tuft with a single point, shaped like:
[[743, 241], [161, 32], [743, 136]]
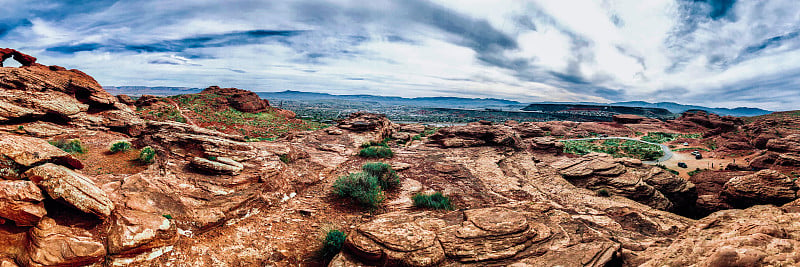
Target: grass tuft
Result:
[[120, 146], [332, 244], [376, 152], [387, 177], [73, 146], [147, 155], [433, 201], [361, 187]]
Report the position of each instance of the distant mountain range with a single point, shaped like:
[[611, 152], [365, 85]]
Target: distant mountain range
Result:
[[438, 102]]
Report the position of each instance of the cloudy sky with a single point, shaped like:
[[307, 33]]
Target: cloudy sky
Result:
[[719, 53]]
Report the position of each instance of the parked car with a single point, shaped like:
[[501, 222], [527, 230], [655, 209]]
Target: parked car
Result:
[[698, 156], [685, 144], [682, 165]]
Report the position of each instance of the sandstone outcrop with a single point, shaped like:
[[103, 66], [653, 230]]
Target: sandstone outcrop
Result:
[[757, 236], [477, 135], [626, 177], [21, 202], [241, 100], [53, 244], [23, 59], [631, 119], [28, 152], [63, 184], [763, 187], [789, 143], [221, 165], [134, 232]]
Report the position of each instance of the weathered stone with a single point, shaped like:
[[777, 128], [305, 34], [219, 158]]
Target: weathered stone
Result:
[[134, 232], [763, 187], [21, 202], [221, 165], [29, 151], [63, 184], [52, 244], [241, 100]]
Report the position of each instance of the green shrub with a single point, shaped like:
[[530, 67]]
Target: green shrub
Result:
[[120, 146], [387, 177], [361, 187], [373, 143], [667, 169], [434, 201], [334, 239], [285, 158], [603, 193], [376, 152], [696, 171], [69, 146], [147, 155], [416, 137]]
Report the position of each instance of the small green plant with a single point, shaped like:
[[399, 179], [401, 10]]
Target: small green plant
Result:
[[416, 137], [376, 152], [361, 187], [21, 128], [211, 158], [603, 192], [147, 155], [285, 158], [73, 146], [667, 169], [168, 216], [387, 177], [433, 201], [334, 239], [373, 143], [120, 146], [696, 171]]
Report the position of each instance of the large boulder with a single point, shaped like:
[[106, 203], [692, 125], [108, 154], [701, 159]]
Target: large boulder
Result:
[[789, 143], [477, 135], [397, 239], [757, 236], [134, 232], [763, 187], [21, 202], [29, 151], [53, 244], [241, 100], [63, 184], [628, 178]]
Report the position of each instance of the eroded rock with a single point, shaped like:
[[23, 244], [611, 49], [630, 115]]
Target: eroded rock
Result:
[[21, 202], [52, 244], [29, 151], [763, 187], [63, 184], [134, 232]]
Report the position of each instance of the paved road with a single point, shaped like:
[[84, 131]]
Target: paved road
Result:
[[667, 151]]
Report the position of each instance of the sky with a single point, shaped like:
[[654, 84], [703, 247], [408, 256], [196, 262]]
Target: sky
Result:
[[716, 53]]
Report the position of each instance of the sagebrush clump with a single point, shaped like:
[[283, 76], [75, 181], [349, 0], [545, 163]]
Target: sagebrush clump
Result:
[[436, 200], [72, 146], [376, 152], [387, 177], [361, 187], [147, 155], [120, 146], [332, 244]]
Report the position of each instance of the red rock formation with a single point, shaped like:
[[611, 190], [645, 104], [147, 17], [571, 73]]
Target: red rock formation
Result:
[[23, 59], [241, 100]]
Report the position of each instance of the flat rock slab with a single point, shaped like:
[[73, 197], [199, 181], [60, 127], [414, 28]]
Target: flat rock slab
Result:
[[134, 232], [497, 221], [63, 184], [29, 151], [21, 202]]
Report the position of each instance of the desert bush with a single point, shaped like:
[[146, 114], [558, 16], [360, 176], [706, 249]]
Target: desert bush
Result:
[[147, 155], [361, 187], [603, 193], [387, 177], [120, 146], [332, 244], [373, 143], [696, 171], [433, 201], [376, 152], [70, 146]]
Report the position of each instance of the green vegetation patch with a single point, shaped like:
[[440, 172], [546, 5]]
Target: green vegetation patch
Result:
[[120, 146], [376, 152], [387, 177], [667, 169], [72, 146], [615, 147], [690, 148], [147, 155], [696, 171], [432, 201], [361, 187], [659, 137], [332, 244]]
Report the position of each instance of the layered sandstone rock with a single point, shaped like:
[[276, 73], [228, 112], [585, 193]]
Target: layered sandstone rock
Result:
[[21, 202], [757, 236], [63, 184], [763, 187], [53, 244], [789, 143], [241, 100], [134, 232], [628, 178], [29, 151], [220, 165], [478, 135]]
